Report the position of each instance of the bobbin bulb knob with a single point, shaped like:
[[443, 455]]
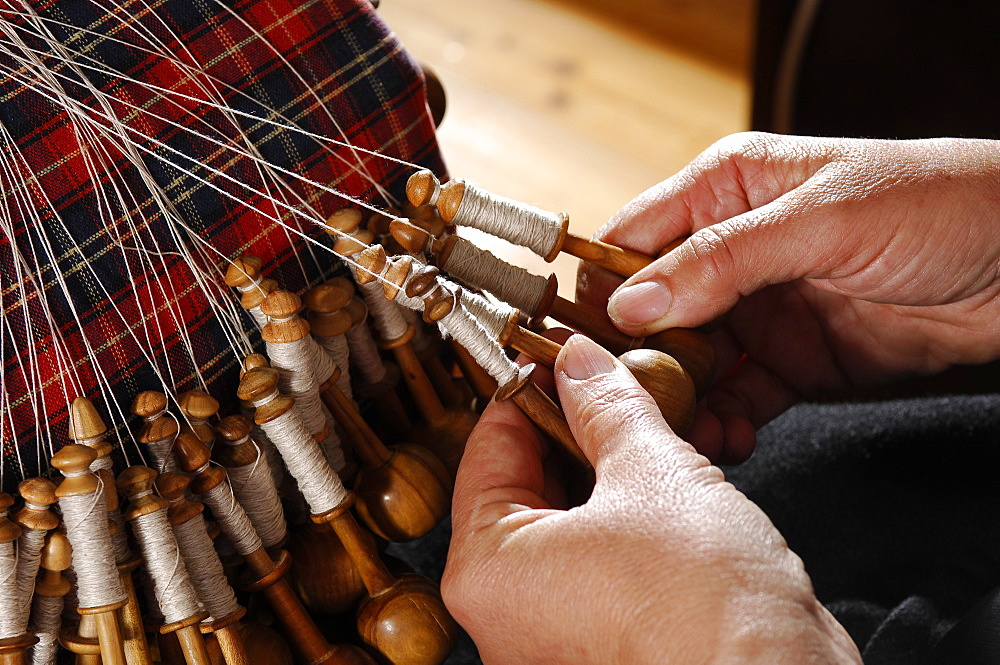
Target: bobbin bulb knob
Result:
[[408, 623], [135, 480], [148, 403], [253, 361], [257, 383], [172, 486], [197, 404], [330, 325], [234, 429], [410, 237], [74, 461], [281, 304], [422, 281], [667, 382], [450, 199], [84, 421], [328, 298], [345, 220], [57, 554], [192, 454], [243, 271], [40, 492], [439, 303], [9, 531], [284, 326], [395, 275], [370, 263], [422, 188]]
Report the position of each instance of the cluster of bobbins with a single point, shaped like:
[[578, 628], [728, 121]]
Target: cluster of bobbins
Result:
[[285, 503]]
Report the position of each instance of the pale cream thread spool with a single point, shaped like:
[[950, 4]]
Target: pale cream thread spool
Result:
[[35, 520], [336, 348], [200, 558], [228, 512], [319, 484], [461, 325], [251, 481], [12, 618], [271, 454], [87, 428], [245, 275], [364, 352], [483, 270], [516, 222], [86, 518], [175, 593], [171, 582], [47, 605], [493, 315], [329, 323], [287, 339], [159, 428]]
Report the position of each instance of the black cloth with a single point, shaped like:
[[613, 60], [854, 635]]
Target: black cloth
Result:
[[893, 507]]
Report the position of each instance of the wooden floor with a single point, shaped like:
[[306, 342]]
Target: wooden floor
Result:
[[554, 104]]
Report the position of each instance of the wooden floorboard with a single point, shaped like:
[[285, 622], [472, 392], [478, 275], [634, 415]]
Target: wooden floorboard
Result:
[[549, 105]]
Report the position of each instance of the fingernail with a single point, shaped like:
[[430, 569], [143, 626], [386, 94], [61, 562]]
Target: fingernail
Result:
[[583, 359], [644, 302]]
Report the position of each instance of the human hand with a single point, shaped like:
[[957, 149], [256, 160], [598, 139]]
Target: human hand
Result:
[[844, 262], [666, 562]]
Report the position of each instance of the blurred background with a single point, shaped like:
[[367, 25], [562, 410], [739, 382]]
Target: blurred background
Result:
[[579, 105]]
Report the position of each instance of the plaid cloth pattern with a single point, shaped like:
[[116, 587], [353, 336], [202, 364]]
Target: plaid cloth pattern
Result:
[[81, 219]]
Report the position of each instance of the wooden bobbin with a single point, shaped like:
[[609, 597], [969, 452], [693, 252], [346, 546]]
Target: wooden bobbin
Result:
[[268, 575], [691, 348], [11, 648], [444, 431], [352, 242], [74, 462], [539, 407], [449, 197], [245, 274], [136, 483], [35, 519], [157, 427], [240, 452], [404, 619], [198, 407], [51, 586], [173, 487], [403, 491]]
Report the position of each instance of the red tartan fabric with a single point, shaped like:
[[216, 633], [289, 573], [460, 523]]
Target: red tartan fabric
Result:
[[93, 292]]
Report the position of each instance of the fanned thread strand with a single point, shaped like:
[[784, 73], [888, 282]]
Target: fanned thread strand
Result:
[[483, 270], [318, 483], [11, 617], [232, 518], [86, 518], [254, 488], [205, 568], [46, 615], [174, 592], [517, 222]]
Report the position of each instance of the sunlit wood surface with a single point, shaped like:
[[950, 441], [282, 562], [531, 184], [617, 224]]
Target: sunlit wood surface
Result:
[[554, 106]]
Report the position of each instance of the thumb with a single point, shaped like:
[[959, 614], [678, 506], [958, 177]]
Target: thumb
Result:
[[705, 276], [610, 414]]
